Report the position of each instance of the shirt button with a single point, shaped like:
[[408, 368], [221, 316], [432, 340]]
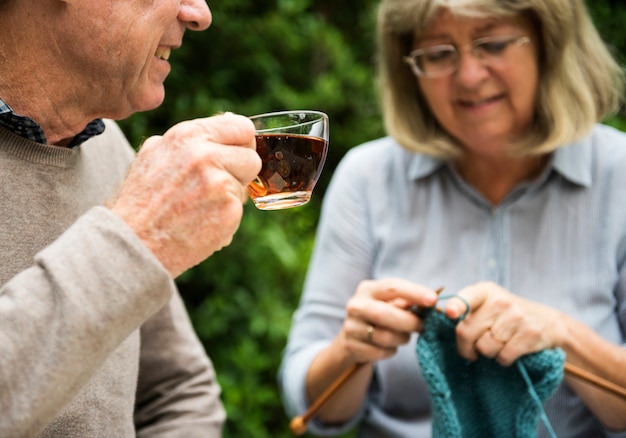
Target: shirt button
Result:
[[491, 263]]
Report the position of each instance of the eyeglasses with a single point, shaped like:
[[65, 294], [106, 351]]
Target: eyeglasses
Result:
[[444, 59]]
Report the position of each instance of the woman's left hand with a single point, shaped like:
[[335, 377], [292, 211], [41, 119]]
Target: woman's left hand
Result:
[[502, 325]]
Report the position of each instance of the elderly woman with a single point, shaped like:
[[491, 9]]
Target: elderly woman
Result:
[[496, 182]]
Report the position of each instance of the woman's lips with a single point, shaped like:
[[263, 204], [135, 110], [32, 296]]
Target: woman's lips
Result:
[[478, 102]]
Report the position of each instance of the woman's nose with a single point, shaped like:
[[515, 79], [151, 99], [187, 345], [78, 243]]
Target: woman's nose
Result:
[[195, 14], [470, 69]]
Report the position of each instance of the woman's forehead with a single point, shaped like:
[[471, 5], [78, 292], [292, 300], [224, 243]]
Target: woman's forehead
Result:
[[420, 14], [478, 22], [484, 23]]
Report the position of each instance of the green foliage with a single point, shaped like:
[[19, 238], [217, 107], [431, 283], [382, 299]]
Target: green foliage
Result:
[[610, 16], [261, 56], [241, 300]]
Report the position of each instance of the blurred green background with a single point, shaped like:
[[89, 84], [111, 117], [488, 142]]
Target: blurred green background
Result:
[[260, 56]]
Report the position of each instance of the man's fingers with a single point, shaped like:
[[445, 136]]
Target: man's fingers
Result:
[[227, 129], [243, 163]]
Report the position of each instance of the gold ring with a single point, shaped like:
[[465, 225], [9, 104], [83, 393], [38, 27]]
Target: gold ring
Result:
[[370, 333], [493, 335]]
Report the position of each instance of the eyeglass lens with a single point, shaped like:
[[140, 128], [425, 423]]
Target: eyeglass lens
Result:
[[442, 59]]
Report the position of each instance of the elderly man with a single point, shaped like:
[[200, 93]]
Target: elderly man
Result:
[[94, 338]]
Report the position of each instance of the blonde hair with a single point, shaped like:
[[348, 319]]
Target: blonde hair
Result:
[[580, 82]]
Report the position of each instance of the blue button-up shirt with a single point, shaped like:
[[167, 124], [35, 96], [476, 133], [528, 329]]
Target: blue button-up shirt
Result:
[[559, 240]]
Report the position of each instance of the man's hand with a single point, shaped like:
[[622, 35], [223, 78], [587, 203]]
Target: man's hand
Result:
[[184, 194]]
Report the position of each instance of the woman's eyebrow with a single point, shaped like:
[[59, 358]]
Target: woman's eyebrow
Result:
[[445, 37]]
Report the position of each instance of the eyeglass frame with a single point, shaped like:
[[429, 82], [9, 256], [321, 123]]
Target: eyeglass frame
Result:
[[475, 48]]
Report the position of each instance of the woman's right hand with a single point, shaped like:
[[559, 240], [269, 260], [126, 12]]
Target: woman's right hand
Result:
[[378, 320]]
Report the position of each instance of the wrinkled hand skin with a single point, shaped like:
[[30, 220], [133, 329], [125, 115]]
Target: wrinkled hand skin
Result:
[[185, 191]]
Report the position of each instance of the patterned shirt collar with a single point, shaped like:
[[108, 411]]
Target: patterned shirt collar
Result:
[[29, 129]]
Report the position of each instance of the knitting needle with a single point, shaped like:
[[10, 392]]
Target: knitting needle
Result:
[[298, 424], [595, 380]]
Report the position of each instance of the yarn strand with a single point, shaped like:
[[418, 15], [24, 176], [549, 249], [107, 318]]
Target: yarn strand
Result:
[[535, 397]]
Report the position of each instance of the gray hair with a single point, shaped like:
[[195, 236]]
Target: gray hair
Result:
[[580, 82]]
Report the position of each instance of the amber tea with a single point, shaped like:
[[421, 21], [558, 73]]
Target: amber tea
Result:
[[292, 146], [291, 166]]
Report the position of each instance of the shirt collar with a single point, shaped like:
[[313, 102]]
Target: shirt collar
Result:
[[421, 166], [571, 161], [29, 129]]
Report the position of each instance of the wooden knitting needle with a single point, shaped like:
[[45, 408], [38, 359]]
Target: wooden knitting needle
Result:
[[298, 424], [594, 380]]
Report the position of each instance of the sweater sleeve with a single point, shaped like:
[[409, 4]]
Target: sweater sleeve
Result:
[[61, 317], [177, 392]]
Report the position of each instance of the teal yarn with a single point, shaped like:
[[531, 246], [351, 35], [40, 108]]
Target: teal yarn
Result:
[[483, 398]]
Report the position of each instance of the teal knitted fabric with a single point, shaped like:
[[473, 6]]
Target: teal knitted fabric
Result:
[[482, 398]]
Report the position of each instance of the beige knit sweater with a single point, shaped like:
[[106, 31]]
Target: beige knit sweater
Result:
[[94, 338]]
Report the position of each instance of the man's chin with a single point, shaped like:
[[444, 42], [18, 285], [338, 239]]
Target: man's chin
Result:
[[138, 103], [147, 103], [154, 100]]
